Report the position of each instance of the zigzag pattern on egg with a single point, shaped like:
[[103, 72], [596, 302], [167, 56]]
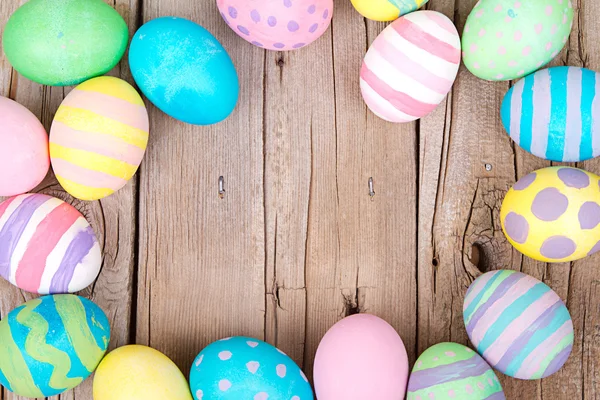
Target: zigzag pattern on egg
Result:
[[46, 245], [98, 138], [51, 344]]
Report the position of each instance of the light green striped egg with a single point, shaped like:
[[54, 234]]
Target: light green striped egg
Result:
[[51, 344], [451, 371]]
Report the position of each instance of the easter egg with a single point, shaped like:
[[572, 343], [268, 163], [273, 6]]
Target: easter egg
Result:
[[246, 368], [554, 114], [553, 214], [24, 159], [64, 42], [518, 324], [508, 39], [184, 71], [386, 10], [98, 138], [451, 371], [411, 66], [361, 357], [138, 372], [46, 245], [51, 344], [277, 24]]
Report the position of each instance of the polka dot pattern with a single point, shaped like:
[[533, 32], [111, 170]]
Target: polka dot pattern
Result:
[[246, 368], [549, 204], [525, 37], [278, 24]]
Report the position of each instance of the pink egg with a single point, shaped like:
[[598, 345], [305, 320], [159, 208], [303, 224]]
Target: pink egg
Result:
[[278, 24], [24, 155], [361, 357]]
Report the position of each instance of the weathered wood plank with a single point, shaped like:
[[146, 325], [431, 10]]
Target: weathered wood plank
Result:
[[113, 219], [202, 258]]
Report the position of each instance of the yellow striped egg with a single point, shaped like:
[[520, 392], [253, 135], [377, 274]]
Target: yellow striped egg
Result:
[[386, 10], [98, 137]]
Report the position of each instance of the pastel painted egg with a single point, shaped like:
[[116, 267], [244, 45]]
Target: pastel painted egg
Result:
[[553, 214], [246, 368], [24, 159], [507, 39], [98, 138], [386, 10], [361, 357], [518, 324], [46, 245], [411, 66], [51, 344], [184, 71], [66, 42], [138, 372], [451, 371], [277, 24], [553, 114]]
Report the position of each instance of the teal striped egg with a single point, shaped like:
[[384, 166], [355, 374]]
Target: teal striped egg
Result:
[[51, 344], [518, 324], [451, 371], [555, 114]]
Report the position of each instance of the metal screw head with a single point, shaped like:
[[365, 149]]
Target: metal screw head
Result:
[[488, 167]]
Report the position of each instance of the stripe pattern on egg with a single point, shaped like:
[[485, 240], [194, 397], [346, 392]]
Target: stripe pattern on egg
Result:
[[555, 114], [98, 138], [518, 324], [411, 66], [46, 245]]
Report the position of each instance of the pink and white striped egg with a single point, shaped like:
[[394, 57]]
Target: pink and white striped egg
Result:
[[46, 245], [411, 66], [278, 25]]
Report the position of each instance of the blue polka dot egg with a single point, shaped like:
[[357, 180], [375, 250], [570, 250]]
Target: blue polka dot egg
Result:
[[243, 368]]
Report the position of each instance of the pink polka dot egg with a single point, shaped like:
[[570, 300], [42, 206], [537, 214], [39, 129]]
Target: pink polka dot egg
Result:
[[246, 368], [278, 25], [553, 214], [508, 39]]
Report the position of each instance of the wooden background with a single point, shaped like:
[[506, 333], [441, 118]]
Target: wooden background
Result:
[[297, 242]]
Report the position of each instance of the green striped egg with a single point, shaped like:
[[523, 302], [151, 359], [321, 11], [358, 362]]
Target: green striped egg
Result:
[[451, 371], [51, 344]]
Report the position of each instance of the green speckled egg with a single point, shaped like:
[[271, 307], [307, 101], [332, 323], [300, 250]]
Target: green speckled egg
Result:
[[508, 39], [64, 42]]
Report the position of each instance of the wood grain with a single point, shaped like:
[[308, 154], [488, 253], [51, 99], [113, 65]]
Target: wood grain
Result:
[[297, 242]]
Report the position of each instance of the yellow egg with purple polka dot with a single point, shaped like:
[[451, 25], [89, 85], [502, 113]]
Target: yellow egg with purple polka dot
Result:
[[508, 39], [553, 214]]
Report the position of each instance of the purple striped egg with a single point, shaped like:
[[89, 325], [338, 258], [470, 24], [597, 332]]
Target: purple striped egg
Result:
[[518, 324], [46, 245]]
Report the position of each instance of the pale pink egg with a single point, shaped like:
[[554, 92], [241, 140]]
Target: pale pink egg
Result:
[[278, 24], [361, 357], [24, 157]]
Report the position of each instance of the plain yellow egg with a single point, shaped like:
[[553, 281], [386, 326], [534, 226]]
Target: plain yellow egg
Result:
[[138, 372], [386, 10]]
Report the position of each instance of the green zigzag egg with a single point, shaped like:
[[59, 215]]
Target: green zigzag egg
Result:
[[51, 344]]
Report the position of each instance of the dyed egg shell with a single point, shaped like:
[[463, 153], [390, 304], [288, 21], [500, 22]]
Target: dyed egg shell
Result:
[[508, 39], [51, 344], [24, 159], [246, 368], [64, 42], [98, 138], [411, 66], [277, 24], [184, 71], [46, 245], [386, 10], [553, 214], [138, 372], [361, 357], [554, 114], [518, 324], [451, 371]]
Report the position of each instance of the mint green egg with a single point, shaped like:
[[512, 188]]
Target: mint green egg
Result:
[[64, 42], [508, 39]]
